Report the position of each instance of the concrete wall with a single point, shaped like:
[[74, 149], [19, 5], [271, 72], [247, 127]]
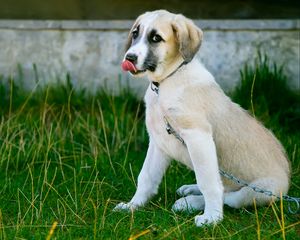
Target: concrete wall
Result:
[[91, 51]]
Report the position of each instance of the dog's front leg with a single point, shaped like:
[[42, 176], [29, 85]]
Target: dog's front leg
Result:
[[203, 155], [153, 169]]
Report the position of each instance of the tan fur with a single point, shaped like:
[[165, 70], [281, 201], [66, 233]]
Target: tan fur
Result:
[[188, 36]]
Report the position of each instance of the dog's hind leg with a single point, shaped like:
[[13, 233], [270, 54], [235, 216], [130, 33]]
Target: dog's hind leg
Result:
[[246, 195]]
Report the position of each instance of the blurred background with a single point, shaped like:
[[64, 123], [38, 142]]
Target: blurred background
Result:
[[118, 9], [42, 41]]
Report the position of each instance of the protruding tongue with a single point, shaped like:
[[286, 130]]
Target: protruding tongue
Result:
[[128, 66]]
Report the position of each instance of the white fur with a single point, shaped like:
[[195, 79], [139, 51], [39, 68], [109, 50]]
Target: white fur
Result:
[[217, 133], [140, 49]]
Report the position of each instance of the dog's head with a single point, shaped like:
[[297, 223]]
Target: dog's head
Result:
[[158, 42]]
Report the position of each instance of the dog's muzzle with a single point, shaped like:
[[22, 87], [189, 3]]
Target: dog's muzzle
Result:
[[129, 64]]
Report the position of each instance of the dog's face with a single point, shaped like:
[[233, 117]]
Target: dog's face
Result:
[[158, 41]]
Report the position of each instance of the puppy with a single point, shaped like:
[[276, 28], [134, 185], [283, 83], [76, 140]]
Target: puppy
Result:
[[209, 131]]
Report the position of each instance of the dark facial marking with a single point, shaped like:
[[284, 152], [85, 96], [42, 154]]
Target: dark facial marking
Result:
[[151, 60], [135, 35], [154, 37], [135, 32]]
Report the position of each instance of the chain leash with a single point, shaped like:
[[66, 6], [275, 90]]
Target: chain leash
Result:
[[291, 200]]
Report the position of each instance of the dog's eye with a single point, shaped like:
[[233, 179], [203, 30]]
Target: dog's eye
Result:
[[135, 34], [156, 38]]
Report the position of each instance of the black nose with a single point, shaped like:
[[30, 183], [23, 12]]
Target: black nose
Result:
[[131, 57]]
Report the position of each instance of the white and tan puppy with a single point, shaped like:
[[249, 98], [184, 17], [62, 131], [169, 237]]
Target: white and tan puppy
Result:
[[216, 133]]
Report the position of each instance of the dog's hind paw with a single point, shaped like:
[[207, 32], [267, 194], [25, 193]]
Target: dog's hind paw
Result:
[[189, 204], [205, 219], [186, 190]]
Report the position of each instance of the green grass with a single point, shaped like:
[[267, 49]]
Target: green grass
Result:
[[68, 158], [264, 91]]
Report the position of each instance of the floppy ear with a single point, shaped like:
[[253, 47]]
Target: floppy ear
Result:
[[188, 35]]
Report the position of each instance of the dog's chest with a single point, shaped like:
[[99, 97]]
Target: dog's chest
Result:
[[157, 128]]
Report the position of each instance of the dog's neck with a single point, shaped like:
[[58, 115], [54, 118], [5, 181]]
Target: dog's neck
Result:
[[172, 73], [165, 68], [155, 84]]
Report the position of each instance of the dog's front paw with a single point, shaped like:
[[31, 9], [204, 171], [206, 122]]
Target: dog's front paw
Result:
[[186, 190], [207, 219], [127, 207]]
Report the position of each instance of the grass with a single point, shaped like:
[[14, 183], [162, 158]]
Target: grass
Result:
[[263, 89], [67, 158]]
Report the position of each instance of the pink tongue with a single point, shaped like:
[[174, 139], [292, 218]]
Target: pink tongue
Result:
[[128, 66]]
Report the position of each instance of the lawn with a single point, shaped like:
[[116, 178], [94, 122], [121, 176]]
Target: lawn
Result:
[[67, 158]]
